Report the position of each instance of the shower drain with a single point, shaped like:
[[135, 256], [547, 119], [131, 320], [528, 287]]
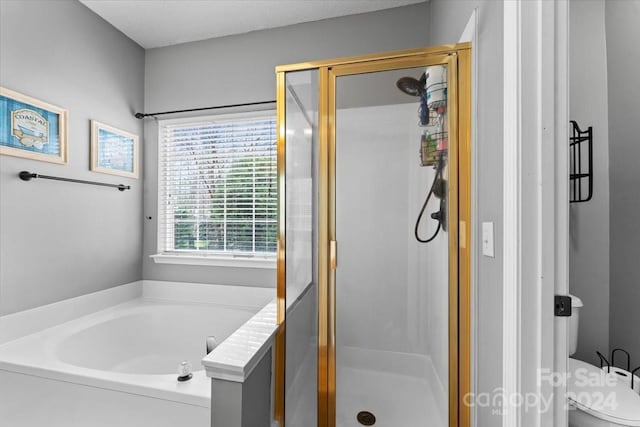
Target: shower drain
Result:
[[366, 418]]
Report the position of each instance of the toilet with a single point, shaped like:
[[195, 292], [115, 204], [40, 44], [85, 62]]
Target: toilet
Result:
[[596, 398]]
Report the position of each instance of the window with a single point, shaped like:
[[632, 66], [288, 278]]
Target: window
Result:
[[217, 190]]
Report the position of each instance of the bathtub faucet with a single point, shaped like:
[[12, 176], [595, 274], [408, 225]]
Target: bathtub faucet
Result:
[[212, 343]]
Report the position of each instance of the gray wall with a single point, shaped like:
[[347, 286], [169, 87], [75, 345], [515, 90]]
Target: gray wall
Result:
[[239, 69], [61, 240], [245, 404], [589, 230], [448, 19], [623, 60]]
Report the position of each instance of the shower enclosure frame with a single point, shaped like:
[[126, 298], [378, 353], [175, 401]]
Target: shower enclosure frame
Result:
[[457, 58]]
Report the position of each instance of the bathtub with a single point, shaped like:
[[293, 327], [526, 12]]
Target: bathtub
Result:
[[118, 366]]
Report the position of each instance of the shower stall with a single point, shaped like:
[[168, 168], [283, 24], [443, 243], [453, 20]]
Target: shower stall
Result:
[[374, 240]]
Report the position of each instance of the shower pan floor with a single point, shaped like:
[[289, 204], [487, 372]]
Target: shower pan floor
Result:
[[400, 390], [395, 399]]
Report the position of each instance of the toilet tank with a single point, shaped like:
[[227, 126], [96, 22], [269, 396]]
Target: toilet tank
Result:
[[574, 320]]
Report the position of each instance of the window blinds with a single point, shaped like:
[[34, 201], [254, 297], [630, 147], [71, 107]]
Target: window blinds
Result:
[[217, 187]]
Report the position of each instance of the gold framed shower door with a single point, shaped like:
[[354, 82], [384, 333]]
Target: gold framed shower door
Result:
[[457, 58]]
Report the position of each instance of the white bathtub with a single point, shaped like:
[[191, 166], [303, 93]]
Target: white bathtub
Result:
[[118, 366]]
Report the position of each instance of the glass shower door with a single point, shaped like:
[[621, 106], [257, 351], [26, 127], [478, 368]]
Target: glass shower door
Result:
[[300, 90], [374, 240], [392, 224]]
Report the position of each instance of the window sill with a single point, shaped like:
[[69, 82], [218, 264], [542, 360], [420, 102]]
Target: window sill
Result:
[[215, 260]]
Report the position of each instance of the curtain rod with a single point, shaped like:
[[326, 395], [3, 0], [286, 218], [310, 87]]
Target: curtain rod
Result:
[[143, 115]]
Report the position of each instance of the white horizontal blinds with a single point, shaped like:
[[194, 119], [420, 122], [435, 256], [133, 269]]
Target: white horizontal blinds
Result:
[[218, 187]]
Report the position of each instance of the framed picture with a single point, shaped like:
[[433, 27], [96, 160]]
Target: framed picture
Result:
[[31, 128], [113, 151]]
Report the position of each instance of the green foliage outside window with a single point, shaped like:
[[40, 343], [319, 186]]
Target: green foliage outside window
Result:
[[244, 214]]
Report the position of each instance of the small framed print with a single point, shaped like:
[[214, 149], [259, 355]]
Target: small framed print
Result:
[[32, 129], [113, 151]]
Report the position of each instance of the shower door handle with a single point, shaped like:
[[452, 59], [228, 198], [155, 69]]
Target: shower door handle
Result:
[[333, 255]]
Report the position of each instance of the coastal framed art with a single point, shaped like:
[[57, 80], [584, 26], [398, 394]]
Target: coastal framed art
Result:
[[31, 128], [113, 151]]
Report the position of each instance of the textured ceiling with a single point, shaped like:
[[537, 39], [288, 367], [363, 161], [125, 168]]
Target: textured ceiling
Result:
[[155, 23]]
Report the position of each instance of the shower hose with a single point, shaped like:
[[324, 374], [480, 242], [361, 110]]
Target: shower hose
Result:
[[416, 232]]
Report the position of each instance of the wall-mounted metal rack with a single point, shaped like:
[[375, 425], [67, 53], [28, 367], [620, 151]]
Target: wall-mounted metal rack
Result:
[[581, 164], [604, 364]]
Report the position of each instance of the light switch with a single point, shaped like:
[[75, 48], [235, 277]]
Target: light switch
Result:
[[487, 239]]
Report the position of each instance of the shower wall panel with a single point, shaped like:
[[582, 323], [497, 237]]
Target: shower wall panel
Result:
[[391, 292], [430, 263], [373, 300], [405, 306]]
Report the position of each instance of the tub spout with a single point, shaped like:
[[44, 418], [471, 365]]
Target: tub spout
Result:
[[212, 343]]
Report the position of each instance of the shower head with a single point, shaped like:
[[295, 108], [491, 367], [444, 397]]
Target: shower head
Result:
[[411, 86]]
